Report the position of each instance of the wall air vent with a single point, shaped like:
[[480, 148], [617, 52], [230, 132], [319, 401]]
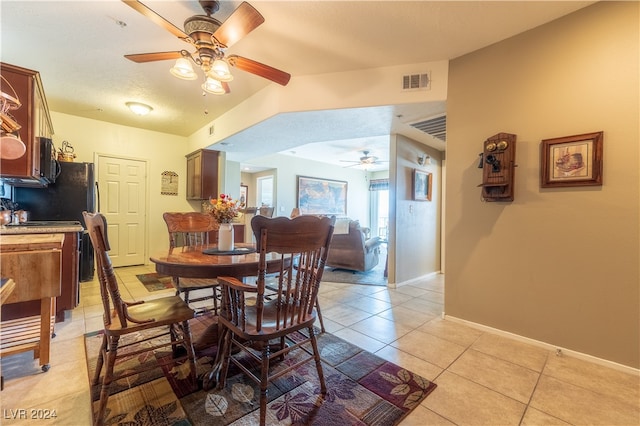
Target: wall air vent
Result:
[[416, 82], [436, 127]]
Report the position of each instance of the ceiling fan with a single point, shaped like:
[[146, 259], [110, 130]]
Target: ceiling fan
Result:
[[210, 38], [365, 160]]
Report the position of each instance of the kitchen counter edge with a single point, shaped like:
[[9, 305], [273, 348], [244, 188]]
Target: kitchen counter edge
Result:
[[14, 230]]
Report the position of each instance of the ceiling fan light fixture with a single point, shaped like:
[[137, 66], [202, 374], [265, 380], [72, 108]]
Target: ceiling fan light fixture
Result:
[[139, 108], [183, 70], [220, 71], [213, 86]]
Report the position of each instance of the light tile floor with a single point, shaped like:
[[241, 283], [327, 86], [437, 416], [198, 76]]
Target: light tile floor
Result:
[[483, 378]]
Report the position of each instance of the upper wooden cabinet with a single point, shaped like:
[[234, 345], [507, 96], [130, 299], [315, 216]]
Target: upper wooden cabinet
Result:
[[202, 174], [34, 118]]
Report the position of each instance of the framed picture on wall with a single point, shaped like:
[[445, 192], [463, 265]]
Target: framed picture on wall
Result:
[[571, 161], [243, 197], [322, 196], [421, 185]]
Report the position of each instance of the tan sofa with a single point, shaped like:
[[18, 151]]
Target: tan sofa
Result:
[[350, 249]]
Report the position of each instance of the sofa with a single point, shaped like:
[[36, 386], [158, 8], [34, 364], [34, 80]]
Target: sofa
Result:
[[351, 249]]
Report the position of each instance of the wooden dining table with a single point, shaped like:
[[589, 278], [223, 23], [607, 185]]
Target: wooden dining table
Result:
[[194, 262], [204, 261]]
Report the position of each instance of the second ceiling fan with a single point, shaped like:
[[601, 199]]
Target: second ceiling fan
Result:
[[210, 38], [365, 160]]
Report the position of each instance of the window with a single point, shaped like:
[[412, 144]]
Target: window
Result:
[[379, 208], [265, 191]]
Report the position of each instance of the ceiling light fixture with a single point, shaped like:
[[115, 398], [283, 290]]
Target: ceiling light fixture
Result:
[[214, 66], [220, 71], [139, 108], [213, 86], [210, 39], [183, 70]]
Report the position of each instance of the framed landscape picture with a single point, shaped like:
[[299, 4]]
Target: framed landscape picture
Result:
[[571, 161], [322, 196], [421, 185]]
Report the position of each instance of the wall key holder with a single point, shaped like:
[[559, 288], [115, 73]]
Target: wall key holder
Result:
[[498, 164]]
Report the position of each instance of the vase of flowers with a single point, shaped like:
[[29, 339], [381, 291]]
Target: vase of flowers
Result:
[[224, 209]]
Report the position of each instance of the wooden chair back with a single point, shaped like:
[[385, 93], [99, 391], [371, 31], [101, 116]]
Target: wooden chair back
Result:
[[188, 229], [302, 243], [109, 290]]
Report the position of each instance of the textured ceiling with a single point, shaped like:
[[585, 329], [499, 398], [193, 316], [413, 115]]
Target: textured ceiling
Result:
[[78, 48]]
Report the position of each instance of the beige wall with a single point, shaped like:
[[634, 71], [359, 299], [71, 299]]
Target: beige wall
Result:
[[556, 265], [162, 151]]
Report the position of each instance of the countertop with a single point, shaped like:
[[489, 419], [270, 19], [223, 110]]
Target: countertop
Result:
[[57, 229], [21, 242]]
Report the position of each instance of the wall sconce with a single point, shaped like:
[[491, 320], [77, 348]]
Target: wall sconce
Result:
[[424, 159]]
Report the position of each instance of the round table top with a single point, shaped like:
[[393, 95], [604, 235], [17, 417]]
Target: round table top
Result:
[[191, 262]]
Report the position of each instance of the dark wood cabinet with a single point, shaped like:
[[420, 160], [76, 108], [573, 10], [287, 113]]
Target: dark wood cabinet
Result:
[[33, 117], [202, 174]]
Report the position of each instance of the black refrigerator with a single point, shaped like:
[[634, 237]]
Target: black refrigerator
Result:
[[72, 192]]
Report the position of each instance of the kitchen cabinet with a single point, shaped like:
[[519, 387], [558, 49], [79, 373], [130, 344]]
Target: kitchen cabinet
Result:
[[69, 297], [34, 119], [202, 174]]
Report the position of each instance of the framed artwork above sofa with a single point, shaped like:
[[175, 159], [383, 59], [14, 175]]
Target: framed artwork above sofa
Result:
[[321, 196]]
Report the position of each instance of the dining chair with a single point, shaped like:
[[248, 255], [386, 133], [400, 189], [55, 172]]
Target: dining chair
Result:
[[266, 211], [295, 212], [167, 316], [189, 229], [257, 326]]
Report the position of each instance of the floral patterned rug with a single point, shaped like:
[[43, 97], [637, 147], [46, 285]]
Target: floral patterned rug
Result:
[[363, 389], [155, 282]]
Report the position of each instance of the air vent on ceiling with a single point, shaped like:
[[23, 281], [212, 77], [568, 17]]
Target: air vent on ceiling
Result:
[[436, 127], [416, 81]]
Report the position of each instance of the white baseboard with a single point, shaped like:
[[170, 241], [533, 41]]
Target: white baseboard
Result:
[[544, 345], [414, 280]]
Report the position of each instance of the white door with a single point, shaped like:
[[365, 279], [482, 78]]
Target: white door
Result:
[[122, 185]]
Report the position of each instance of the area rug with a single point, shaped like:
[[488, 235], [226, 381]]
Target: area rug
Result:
[[363, 389], [155, 281], [373, 277]]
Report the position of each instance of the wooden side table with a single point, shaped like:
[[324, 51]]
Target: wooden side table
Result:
[[34, 262], [6, 288]]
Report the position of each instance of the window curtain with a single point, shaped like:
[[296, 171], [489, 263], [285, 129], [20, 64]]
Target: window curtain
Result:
[[379, 185]]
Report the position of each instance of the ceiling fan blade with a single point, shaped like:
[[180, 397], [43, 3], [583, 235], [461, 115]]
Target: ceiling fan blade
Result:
[[225, 86], [150, 57], [259, 69], [147, 12], [242, 21]]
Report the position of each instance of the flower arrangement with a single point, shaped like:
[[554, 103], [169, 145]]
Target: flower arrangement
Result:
[[223, 209]]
